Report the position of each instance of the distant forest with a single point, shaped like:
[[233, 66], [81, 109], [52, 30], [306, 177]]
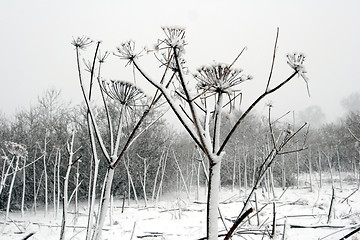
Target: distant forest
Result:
[[34, 143]]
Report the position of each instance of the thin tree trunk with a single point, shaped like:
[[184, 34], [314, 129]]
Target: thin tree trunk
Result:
[[143, 181], [161, 179], [35, 192], [239, 177], [339, 167], [131, 182], [330, 168], [11, 189], [24, 188], [320, 172], [234, 174], [272, 185], [65, 193], [156, 177], [245, 173], [283, 172], [182, 177], [76, 193], [297, 168], [198, 181], [310, 171], [45, 179], [58, 183], [54, 186], [254, 167]]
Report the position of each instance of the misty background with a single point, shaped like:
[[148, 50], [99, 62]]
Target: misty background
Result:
[[37, 54]]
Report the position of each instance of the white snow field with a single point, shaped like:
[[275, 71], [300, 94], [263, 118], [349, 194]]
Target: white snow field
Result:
[[305, 212]]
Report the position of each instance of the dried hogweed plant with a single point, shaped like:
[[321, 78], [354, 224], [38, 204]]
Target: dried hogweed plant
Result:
[[126, 94], [16, 149]]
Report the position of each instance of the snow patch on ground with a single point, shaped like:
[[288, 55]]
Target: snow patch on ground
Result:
[[175, 217]]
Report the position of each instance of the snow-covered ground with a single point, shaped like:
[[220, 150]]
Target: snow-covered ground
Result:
[[174, 217]]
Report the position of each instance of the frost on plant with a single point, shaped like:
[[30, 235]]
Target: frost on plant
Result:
[[175, 37], [129, 96], [296, 62], [127, 51], [81, 42], [174, 41], [16, 149], [219, 78]]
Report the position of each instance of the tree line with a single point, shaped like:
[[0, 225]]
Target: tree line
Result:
[[160, 153]]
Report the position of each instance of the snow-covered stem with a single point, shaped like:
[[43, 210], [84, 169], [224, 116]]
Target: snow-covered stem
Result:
[[76, 192], [213, 200], [34, 187], [176, 109], [181, 175], [45, 178], [54, 186], [143, 181], [108, 117], [339, 167], [104, 204], [96, 162], [192, 106], [162, 177], [319, 168], [353, 135], [157, 174], [217, 122], [114, 151], [248, 110], [4, 176], [70, 147], [90, 112], [24, 187], [58, 182], [267, 162], [11, 188], [310, 171], [126, 164]]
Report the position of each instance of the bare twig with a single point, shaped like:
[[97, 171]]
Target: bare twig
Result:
[[273, 60]]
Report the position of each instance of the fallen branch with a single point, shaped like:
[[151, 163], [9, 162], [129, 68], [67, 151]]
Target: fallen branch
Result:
[[28, 236], [350, 234], [237, 222], [349, 195], [312, 226]]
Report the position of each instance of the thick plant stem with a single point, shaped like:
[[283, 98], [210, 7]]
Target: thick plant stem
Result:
[[213, 201], [104, 204]]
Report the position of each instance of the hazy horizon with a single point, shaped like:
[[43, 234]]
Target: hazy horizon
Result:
[[37, 54]]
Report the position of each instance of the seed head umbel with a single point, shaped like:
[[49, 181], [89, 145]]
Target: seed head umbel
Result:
[[219, 78], [123, 92], [175, 37], [296, 62], [126, 51], [81, 42]]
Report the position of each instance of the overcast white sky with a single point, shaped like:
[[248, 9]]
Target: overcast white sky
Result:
[[36, 53]]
